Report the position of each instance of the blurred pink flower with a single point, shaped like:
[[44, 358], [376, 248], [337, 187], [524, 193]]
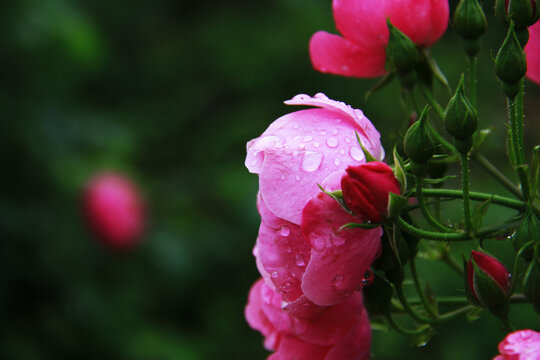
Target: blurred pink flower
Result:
[[361, 51], [532, 52], [114, 210], [340, 332], [300, 251], [520, 345]]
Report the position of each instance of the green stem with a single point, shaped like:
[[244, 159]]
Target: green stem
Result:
[[460, 300], [425, 211], [466, 184], [403, 300], [419, 289], [394, 324], [455, 313], [519, 122], [432, 101], [478, 196], [516, 131], [445, 143], [452, 263], [472, 65], [497, 174], [462, 236]]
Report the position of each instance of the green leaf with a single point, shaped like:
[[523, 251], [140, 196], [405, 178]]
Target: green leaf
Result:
[[399, 171], [479, 213], [437, 70], [369, 157], [359, 226], [385, 80], [474, 314], [338, 196]]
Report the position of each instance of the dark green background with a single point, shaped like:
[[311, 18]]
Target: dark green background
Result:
[[169, 92]]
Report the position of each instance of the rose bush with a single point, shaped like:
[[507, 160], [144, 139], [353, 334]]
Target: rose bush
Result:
[[335, 333], [114, 210], [301, 252], [520, 345], [361, 52]]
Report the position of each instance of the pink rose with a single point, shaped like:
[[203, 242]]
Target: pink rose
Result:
[[301, 251], [336, 333], [532, 52], [520, 345], [361, 52], [114, 210]]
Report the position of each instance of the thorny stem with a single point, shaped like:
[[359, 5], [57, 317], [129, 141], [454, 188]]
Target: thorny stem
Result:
[[425, 211], [466, 185]]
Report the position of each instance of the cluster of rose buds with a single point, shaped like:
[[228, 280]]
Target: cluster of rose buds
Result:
[[311, 267]]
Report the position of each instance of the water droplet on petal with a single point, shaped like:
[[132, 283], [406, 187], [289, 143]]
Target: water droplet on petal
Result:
[[357, 154], [283, 177], [337, 162], [300, 261], [332, 142], [335, 131], [297, 177], [323, 132], [307, 138], [317, 242], [316, 144], [284, 231], [274, 274], [311, 161], [348, 140], [337, 280]]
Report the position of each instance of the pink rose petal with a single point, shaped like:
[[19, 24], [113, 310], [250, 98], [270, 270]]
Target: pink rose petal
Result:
[[340, 258], [532, 52]]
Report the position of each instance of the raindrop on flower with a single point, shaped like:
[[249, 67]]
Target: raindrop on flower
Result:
[[317, 242], [356, 154], [337, 280], [284, 230], [311, 161], [300, 261], [332, 142]]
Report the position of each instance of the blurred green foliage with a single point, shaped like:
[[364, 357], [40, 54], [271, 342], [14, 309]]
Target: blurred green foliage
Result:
[[169, 92]]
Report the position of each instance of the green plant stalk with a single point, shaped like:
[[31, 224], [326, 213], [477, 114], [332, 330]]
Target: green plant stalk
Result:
[[466, 184], [519, 122], [472, 78], [478, 196], [460, 300], [394, 324], [432, 101], [421, 293], [516, 131], [425, 211], [403, 300], [497, 174]]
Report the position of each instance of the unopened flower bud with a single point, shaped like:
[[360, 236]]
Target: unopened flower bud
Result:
[[523, 13], [527, 232], [418, 142], [531, 281], [114, 210], [461, 119], [469, 19], [510, 63], [378, 296], [488, 280], [366, 189], [401, 54]]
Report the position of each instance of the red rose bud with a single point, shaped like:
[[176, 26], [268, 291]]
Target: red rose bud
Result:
[[114, 210], [366, 188], [488, 280]]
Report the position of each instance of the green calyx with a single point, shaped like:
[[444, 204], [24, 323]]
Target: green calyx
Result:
[[486, 290], [469, 19], [460, 119], [510, 63], [418, 142], [523, 13], [401, 53]]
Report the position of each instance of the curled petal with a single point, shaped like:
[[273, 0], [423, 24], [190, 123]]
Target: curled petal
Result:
[[339, 258], [256, 317], [335, 55], [293, 348]]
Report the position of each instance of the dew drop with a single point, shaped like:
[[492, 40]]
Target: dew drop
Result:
[[317, 242], [274, 274], [286, 285], [296, 126], [337, 162], [316, 144], [311, 161], [300, 261], [320, 96], [297, 177], [284, 231], [348, 140], [301, 146], [323, 132], [335, 131], [283, 177], [307, 138], [337, 280], [357, 154], [332, 142]]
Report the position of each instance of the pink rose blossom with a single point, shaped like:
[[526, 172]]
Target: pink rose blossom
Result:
[[520, 345], [361, 52], [532, 52], [114, 210], [301, 252], [340, 332]]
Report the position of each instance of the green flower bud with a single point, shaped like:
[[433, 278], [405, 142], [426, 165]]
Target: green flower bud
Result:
[[460, 118], [418, 142], [523, 13], [469, 19], [401, 52], [531, 282], [378, 296], [510, 63], [528, 230]]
